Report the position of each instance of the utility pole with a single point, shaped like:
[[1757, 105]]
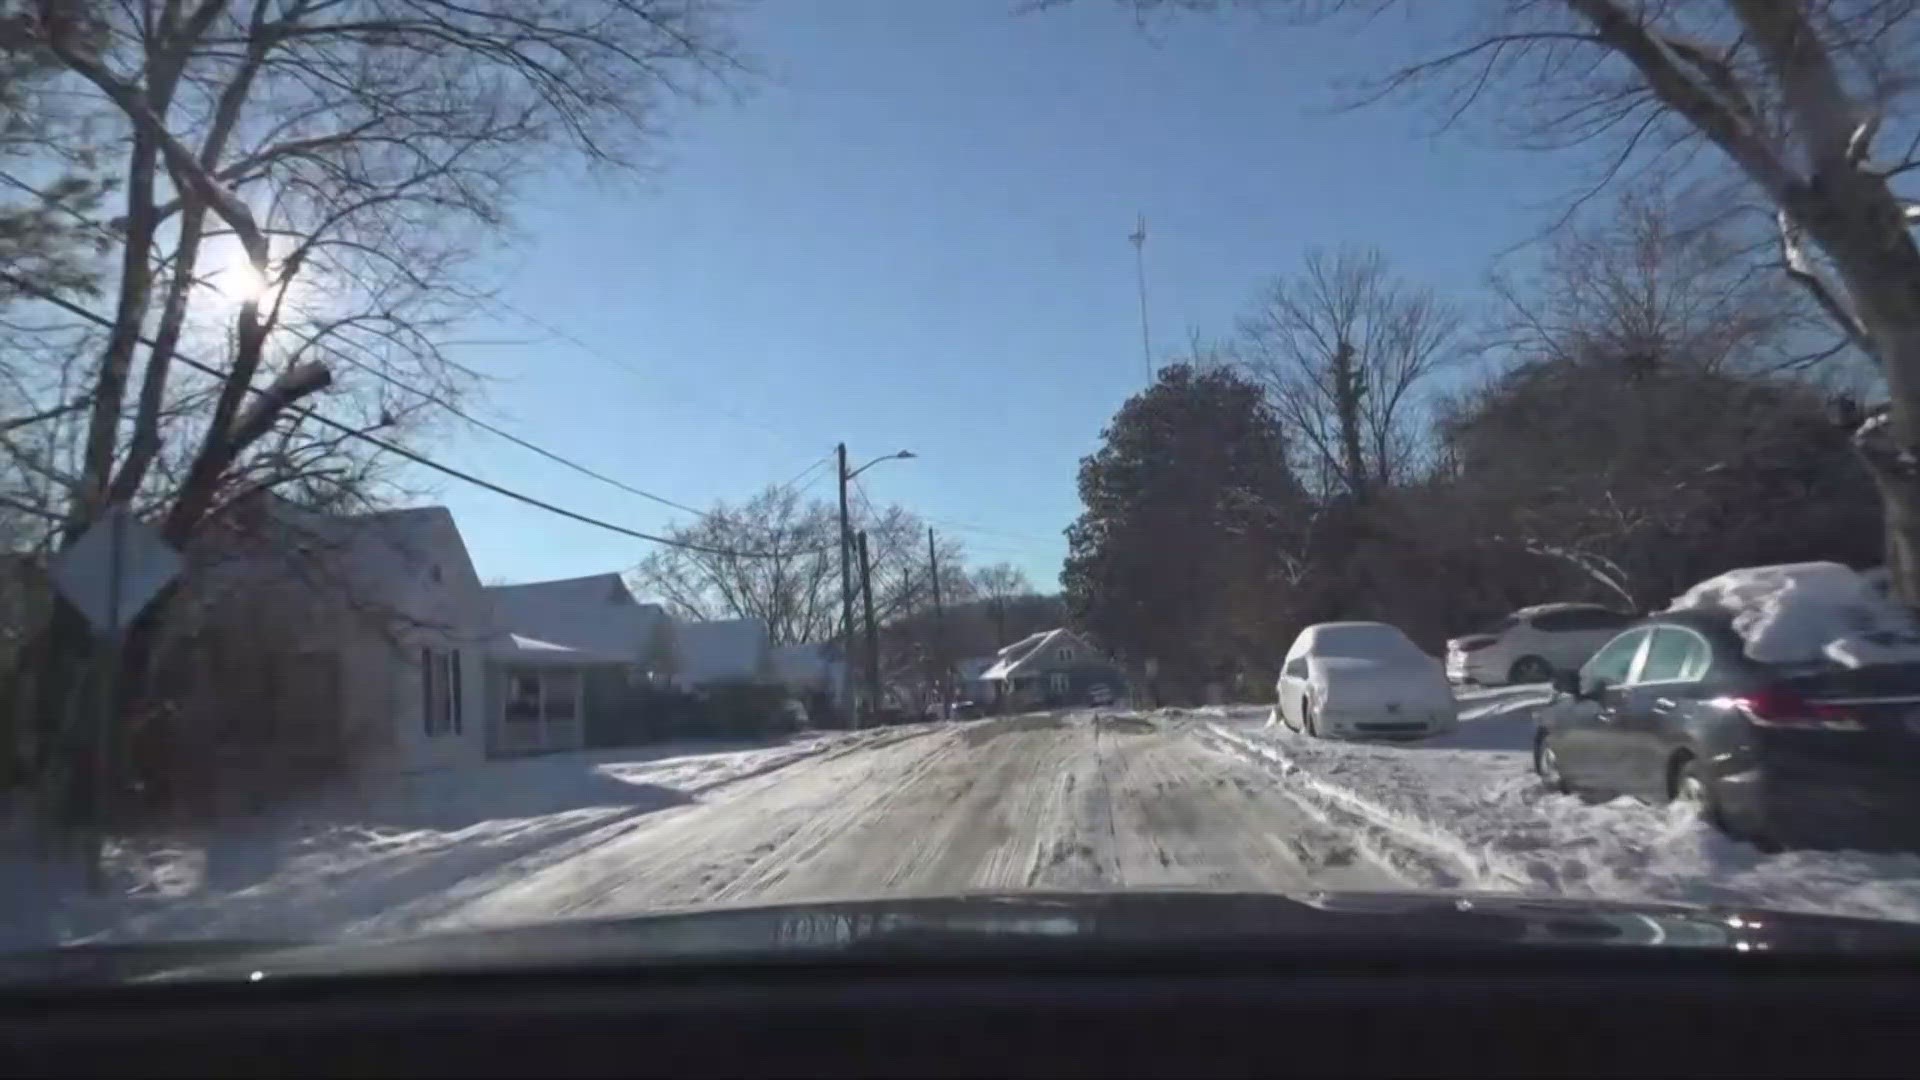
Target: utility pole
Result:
[[846, 585], [942, 681], [873, 628], [1139, 238]]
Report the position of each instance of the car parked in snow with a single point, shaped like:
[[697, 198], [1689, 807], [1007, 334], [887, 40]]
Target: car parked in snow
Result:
[[1531, 644], [1675, 708], [1358, 679]]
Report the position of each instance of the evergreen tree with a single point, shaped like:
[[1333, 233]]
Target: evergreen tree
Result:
[[1190, 509]]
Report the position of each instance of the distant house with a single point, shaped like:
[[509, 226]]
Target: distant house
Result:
[[569, 665], [722, 651], [579, 657], [1051, 669], [357, 639], [967, 677], [809, 670]]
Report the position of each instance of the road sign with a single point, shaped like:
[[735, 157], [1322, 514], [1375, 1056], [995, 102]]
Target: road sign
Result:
[[115, 570]]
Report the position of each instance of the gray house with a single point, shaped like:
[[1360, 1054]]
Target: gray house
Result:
[[1052, 669], [570, 664]]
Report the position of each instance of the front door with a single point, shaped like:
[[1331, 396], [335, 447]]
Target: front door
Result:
[[1668, 677], [1586, 734]]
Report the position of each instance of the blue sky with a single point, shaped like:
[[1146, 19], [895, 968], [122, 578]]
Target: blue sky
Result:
[[909, 231]]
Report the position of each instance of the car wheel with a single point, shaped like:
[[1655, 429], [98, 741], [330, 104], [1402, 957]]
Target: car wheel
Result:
[[1306, 718], [1691, 785], [1547, 764], [1530, 669]]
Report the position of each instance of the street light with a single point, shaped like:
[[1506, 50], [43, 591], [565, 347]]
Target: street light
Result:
[[898, 455], [846, 576]]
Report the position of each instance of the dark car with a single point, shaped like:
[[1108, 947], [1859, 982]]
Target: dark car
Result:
[[1673, 708]]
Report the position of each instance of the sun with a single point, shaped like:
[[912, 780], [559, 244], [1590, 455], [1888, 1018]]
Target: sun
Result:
[[241, 283], [234, 281]]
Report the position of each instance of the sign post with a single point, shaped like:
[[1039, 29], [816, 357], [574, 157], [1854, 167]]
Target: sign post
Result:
[[110, 575]]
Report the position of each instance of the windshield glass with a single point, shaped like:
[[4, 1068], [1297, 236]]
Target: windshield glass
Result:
[[1363, 643], [488, 464]]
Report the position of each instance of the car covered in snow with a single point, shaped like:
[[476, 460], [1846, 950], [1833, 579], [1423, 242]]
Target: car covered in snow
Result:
[[1362, 679], [1783, 701], [1531, 644]]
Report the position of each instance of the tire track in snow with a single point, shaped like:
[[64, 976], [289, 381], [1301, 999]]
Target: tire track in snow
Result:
[[444, 909], [1045, 801], [1427, 858]]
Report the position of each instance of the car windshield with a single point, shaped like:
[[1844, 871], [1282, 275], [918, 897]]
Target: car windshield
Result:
[[485, 464], [1363, 643]]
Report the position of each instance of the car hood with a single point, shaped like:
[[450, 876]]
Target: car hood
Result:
[[980, 924], [1419, 682]]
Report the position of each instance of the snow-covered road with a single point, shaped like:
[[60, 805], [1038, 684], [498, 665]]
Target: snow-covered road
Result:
[[1033, 802], [1210, 798]]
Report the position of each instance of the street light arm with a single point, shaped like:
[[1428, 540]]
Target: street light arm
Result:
[[902, 455]]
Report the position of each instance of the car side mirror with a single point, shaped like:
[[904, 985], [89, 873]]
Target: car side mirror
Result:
[[1567, 682]]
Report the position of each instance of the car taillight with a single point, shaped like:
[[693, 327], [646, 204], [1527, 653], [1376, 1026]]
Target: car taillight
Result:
[[1470, 644], [1775, 708]]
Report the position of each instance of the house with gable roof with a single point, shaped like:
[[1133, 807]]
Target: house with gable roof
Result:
[[1052, 669]]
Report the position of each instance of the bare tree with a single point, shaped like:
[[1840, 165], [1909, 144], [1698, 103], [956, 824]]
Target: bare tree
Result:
[[1343, 350], [1810, 102], [771, 558], [1634, 283], [302, 183], [997, 584], [304, 175]]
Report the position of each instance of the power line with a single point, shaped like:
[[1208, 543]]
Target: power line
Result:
[[493, 429], [803, 474], [436, 398], [982, 529], [394, 448], [627, 366]]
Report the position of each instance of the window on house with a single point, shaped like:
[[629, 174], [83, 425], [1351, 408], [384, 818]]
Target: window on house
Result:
[[1059, 683], [1065, 655], [440, 704]]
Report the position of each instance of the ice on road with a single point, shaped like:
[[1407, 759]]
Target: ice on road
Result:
[[1033, 802]]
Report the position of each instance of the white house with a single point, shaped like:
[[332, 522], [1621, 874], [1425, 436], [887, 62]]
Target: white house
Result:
[[810, 669], [364, 635], [727, 650]]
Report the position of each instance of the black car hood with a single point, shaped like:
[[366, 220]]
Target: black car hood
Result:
[[978, 925]]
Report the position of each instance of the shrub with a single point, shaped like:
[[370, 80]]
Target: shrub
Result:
[[745, 710]]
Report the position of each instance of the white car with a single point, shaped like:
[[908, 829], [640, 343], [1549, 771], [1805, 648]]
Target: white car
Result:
[[1531, 644], [1359, 679]]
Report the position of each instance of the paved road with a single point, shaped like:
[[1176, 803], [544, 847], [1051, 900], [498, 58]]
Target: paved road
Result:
[[1035, 802]]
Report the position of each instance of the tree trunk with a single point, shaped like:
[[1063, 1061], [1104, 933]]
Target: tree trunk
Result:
[[1878, 261], [1349, 386]]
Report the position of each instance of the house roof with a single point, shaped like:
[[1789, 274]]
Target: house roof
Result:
[[972, 667], [410, 564], [521, 649], [595, 615], [1020, 656], [797, 662], [726, 649]]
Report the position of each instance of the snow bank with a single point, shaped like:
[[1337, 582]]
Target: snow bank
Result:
[[1804, 613], [382, 850], [1447, 816]]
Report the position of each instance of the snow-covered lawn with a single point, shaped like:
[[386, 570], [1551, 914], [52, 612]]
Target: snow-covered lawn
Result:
[[346, 861], [1464, 811]]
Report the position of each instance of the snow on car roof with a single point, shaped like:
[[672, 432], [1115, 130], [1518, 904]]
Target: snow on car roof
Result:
[[1806, 613], [1549, 609], [1364, 640]]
